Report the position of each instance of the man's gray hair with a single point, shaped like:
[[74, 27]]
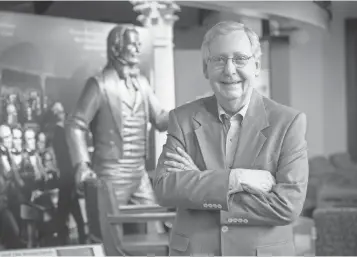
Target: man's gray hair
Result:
[[224, 28]]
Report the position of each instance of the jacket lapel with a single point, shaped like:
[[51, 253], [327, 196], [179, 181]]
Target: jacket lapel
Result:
[[140, 84], [251, 138], [210, 135], [114, 89]]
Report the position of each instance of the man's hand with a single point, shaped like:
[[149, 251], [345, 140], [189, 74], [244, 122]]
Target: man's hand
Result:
[[180, 162], [254, 181], [83, 173]]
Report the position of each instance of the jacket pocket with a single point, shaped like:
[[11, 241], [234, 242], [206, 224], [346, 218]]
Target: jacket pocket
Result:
[[179, 243], [279, 249]]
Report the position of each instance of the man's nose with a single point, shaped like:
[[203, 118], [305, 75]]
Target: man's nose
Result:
[[137, 48], [229, 68]]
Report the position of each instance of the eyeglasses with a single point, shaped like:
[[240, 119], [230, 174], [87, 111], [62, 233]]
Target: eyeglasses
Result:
[[238, 61]]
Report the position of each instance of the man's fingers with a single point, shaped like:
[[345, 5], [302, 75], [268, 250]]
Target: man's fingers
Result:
[[187, 157], [174, 169], [184, 154], [178, 158], [174, 164]]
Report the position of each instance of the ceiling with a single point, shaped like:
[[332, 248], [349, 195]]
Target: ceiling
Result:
[[105, 11]]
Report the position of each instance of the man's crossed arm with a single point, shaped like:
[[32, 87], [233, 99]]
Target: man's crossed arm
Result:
[[239, 193]]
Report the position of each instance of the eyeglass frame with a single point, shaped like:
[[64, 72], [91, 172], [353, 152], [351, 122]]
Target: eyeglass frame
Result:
[[227, 58]]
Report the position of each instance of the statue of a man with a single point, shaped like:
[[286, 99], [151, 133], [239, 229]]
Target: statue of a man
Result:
[[116, 106]]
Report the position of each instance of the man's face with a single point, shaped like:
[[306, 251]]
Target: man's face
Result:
[[30, 140], [41, 142], [11, 110], [12, 98], [47, 162], [17, 139], [6, 136], [58, 112], [33, 94], [131, 47], [228, 81]]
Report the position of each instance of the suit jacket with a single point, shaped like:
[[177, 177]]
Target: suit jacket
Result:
[[63, 158], [208, 221], [99, 110]]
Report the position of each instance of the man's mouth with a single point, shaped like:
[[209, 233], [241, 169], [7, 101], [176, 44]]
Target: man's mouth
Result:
[[228, 83]]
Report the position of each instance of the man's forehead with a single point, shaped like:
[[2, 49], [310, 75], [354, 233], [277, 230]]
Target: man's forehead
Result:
[[5, 131], [29, 133], [236, 42], [17, 133]]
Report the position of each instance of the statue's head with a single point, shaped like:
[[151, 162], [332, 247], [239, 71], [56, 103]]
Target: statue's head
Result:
[[124, 45], [5, 136]]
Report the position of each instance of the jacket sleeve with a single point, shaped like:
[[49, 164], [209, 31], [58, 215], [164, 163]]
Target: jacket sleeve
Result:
[[158, 116], [77, 124], [190, 189], [284, 203]]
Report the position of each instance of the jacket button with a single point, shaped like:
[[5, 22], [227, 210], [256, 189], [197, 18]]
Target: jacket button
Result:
[[240, 220], [245, 221], [219, 206], [230, 220], [224, 229], [205, 205]]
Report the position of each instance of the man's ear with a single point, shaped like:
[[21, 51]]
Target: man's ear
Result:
[[258, 66], [205, 72], [115, 50]]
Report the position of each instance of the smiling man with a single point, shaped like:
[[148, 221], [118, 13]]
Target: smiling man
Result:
[[234, 164]]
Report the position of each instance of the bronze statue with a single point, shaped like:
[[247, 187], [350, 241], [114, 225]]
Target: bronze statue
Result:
[[116, 105]]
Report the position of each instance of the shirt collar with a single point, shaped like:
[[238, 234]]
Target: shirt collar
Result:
[[242, 112]]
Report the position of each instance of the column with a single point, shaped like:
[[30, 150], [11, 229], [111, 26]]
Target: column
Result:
[[159, 18]]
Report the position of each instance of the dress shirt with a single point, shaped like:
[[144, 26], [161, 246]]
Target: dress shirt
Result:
[[232, 126]]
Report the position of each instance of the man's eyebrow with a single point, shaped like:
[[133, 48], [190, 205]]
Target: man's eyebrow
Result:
[[241, 54], [234, 54]]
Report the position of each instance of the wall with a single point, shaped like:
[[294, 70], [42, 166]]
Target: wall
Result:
[[63, 52], [335, 117], [318, 82], [307, 85]]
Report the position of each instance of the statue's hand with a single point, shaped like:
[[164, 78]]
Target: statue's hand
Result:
[[83, 173]]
